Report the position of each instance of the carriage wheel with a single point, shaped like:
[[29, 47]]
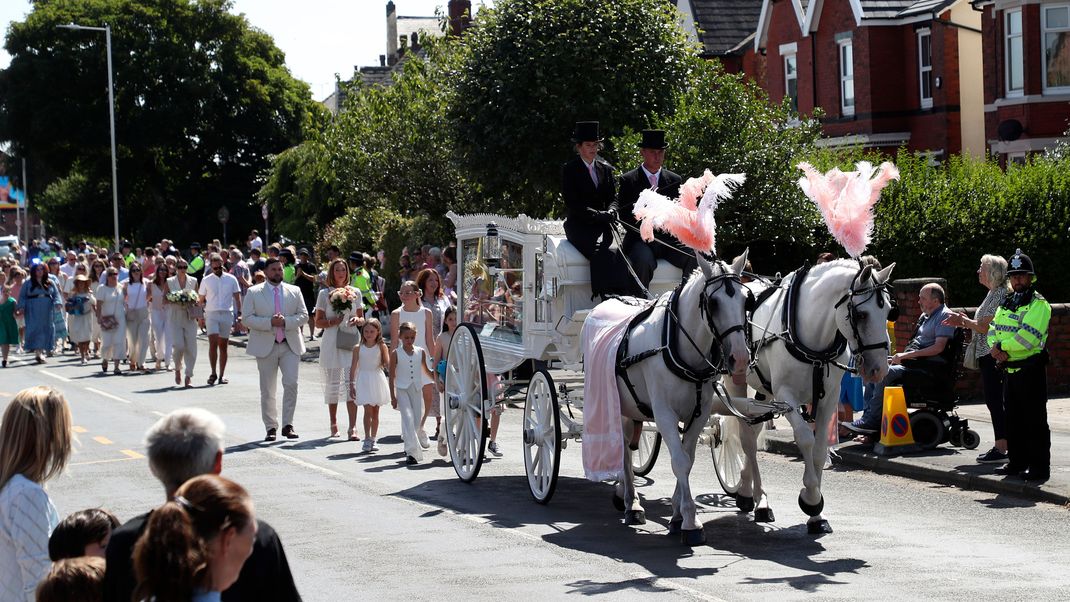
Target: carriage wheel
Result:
[[728, 456], [465, 403], [643, 459], [542, 436]]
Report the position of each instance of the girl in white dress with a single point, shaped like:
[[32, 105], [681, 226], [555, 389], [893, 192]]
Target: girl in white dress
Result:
[[442, 347], [369, 386], [413, 311], [334, 361]]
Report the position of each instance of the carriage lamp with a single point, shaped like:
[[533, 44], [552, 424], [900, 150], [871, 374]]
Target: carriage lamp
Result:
[[492, 246]]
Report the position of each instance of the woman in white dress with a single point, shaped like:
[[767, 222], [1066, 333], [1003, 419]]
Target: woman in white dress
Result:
[[412, 310], [159, 316], [80, 314], [96, 279], [111, 316], [136, 296], [183, 329], [334, 361]]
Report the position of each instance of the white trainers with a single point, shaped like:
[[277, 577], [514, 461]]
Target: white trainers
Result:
[[495, 449], [375, 445], [367, 444], [422, 437]]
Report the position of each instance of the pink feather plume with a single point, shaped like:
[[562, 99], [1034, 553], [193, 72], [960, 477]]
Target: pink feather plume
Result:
[[690, 218], [846, 200]]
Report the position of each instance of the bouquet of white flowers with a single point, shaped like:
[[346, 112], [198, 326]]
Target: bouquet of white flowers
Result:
[[184, 297], [342, 298]]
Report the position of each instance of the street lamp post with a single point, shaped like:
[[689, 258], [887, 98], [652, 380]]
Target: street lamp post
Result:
[[111, 113]]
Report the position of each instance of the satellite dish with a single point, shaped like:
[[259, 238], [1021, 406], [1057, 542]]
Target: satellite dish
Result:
[[1009, 130]]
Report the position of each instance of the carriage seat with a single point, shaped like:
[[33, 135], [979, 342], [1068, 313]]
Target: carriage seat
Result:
[[574, 269]]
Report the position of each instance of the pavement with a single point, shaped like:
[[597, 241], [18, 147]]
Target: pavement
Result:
[[955, 466], [943, 465]]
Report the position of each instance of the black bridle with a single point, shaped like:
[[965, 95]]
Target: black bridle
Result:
[[853, 317]]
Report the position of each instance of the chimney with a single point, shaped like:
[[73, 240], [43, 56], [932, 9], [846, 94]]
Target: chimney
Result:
[[415, 45], [460, 12], [391, 33], [382, 60]]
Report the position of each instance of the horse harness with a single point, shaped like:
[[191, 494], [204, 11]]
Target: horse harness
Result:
[[670, 342], [820, 360]]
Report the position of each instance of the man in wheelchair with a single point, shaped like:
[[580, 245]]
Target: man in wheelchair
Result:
[[926, 365]]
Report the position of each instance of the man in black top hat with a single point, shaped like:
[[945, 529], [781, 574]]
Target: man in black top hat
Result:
[[651, 174], [590, 212]]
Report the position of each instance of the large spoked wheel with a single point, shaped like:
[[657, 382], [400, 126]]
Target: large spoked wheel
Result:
[[728, 456], [643, 459], [465, 403], [542, 436]]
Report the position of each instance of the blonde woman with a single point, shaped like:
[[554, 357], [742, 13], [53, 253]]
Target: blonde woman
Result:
[[111, 315], [136, 305], [992, 274], [35, 444], [183, 329]]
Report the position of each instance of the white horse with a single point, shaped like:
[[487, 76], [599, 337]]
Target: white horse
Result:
[[800, 337], [677, 352]]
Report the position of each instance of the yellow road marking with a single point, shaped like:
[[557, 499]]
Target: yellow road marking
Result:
[[79, 429], [101, 461], [5, 394], [55, 376], [133, 455], [102, 440], [105, 394]]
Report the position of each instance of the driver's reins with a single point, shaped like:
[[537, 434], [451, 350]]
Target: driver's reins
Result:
[[820, 360], [670, 341]]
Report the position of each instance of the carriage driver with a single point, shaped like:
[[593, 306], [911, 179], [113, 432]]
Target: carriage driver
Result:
[[651, 175], [589, 192], [1017, 336]]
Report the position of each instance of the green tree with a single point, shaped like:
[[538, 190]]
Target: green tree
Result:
[[725, 124], [301, 190], [531, 68], [202, 98]]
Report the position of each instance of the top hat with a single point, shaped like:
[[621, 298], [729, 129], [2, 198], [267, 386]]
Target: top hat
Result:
[[1020, 264], [653, 139], [586, 131]]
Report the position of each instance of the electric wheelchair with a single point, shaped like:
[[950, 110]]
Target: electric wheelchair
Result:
[[932, 401]]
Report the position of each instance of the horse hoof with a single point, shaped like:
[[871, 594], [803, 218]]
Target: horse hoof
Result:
[[763, 515], [812, 509], [692, 537], [745, 504], [618, 503], [818, 527], [675, 525], [634, 517]]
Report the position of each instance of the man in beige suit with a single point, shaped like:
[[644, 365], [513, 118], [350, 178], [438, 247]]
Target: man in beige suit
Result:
[[274, 312]]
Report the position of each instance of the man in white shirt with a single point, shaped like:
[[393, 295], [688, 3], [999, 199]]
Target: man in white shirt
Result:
[[69, 267], [220, 294], [255, 242]]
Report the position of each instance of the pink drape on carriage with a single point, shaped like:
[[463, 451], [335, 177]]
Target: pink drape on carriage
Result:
[[603, 435]]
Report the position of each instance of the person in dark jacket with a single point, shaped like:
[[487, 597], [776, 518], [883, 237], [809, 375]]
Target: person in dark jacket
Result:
[[651, 174], [184, 444], [589, 191]]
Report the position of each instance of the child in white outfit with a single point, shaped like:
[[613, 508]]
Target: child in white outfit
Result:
[[367, 383], [408, 373]]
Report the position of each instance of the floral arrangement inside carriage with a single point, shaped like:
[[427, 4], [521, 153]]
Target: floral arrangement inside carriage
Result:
[[493, 295]]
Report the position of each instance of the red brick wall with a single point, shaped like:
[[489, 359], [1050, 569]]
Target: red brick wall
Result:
[[968, 385]]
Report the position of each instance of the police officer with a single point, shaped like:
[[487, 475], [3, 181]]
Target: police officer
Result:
[[1017, 336], [196, 261]]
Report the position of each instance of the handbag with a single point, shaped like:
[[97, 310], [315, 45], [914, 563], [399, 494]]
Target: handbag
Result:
[[194, 312], [108, 322], [346, 340], [969, 361]]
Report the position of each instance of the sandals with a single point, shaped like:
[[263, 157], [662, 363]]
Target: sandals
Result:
[[334, 431], [353, 435], [222, 381], [116, 372], [211, 379]]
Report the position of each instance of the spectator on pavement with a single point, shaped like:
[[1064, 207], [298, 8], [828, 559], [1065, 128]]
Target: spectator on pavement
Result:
[[80, 579], [305, 273], [84, 533], [35, 445], [254, 241], [182, 445]]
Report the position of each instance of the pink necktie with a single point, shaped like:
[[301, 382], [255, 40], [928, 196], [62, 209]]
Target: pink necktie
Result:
[[653, 181], [594, 176], [279, 333]]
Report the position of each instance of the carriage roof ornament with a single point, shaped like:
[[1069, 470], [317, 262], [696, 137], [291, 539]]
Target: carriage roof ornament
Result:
[[690, 218], [846, 200]]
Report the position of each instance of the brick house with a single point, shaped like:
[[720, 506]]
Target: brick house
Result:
[[725, 29], [886, 73], [1027, 75]]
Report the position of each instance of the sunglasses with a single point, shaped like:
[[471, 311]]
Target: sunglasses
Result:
[[182, 267]]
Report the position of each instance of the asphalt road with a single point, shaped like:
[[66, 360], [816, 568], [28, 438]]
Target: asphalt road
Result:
[[367, 526]]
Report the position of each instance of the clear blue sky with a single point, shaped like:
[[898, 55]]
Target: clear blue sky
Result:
[[320, 38]]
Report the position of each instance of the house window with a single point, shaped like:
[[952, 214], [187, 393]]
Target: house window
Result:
[[1012, 28], [847, 78], [1055, 21], [791, 81], [1015, 158], [925, 68]]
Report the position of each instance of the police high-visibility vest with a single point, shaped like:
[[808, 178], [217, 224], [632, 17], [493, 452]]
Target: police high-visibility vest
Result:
[[196, 265], [130, 259], [1021, 333], [362, 281]]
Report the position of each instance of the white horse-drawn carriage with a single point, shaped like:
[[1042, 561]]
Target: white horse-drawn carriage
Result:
[[524, 296]]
